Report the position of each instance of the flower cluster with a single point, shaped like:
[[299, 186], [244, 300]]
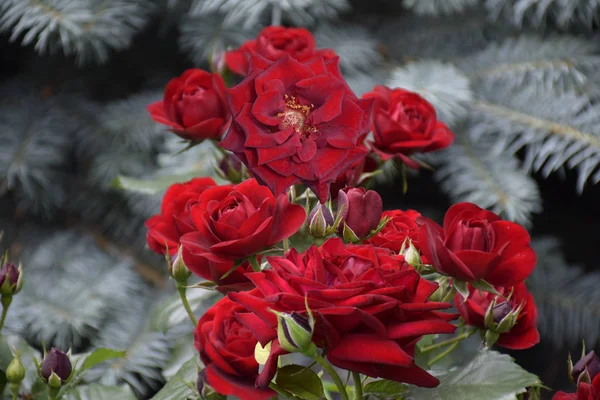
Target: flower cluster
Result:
[[343, 283]]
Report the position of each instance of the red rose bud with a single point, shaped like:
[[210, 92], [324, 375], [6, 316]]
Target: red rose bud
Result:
[[320, 221], [193, 106], [56, 363], [10, 279], [200, 382], [500, 311], [587, 368], [361, 212], [295, 333]]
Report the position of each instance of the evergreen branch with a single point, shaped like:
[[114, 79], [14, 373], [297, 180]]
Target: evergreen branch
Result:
[[438, 7], [563, 13]]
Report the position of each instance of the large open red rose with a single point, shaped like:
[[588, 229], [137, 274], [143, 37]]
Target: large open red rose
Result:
[[524, 334], [235, 221], [404, 123], [272, 43], [226, 349], [297, 122], [193, 106], [174, 220], [477, 244], [370, 307]]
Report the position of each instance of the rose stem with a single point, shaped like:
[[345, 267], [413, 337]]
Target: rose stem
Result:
[[455, 339], [6, 300], [279, 390], [357, 385], [336, 378], [254, 262], [182, 289], [443, 354]]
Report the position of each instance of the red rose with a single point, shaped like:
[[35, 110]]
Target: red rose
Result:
[[174, 220], [370, 307], [193, 106], [476, 244], [235, 221], [404, 123], [297, 122], [272, 43], [523, 335], [361, 210], [226, 349], [352, 176], [585, 391], [402, 225]]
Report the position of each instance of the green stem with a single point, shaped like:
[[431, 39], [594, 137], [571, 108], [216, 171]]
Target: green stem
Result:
[[443, 354], [182, 289], [254, 262], [6, 300], [334, 375], [14, 388], [455, 339], [358, 389], [279, 390]]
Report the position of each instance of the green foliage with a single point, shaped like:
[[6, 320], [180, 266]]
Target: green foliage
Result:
[[300, 381], [99, 392], [490, 376], [181, 385], [384, 389], [100, 355]]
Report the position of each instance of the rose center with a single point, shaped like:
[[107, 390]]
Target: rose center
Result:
[[294, 116]]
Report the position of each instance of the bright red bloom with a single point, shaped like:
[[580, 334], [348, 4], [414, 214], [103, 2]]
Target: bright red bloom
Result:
[[174, 220], [370, 307], [477, 244], [523, 335], [226, 349], [402, 225], [194, 106], [297, 122], [272, 43], [404, 123], [585, 391], [235, 221]]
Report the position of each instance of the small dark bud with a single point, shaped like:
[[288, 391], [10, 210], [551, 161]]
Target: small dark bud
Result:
[[500, 311], [10, 282], [56, 362], [231, 168], [200, 381], [589, 363]]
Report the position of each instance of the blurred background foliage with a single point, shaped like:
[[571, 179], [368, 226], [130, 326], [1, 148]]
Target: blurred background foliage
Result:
[[517, 80]]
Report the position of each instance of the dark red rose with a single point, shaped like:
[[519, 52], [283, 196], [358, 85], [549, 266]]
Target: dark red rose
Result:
[[272, 43], [403, 225], [296, 122], [585, 391], [174, 220], [233, 222], [523, 335], [370, 307], [361, 210], [57, 362], [476, 244], [193, 106], [404, 123], [226, 349], [352, 176], [589, 363]]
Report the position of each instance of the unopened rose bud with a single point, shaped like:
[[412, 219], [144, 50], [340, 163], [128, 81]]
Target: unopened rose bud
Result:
[[500, 311], [56, 363], [589, 364], [10, 279], [200, 381], [500, 317], [178, 269], [320, 221], [15, 372], [230, 168], [412, 255], [295, 332], [360, 210]]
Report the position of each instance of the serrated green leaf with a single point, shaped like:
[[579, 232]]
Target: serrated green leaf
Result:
[[491, 376], [384, 389], [180, 386], [485, 287], [95, 391], [99, 356], [300, 381]]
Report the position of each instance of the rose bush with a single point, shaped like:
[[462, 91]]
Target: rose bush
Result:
[[370, 306], [477, 244], [297, 122], [404, 123], [194, 106]]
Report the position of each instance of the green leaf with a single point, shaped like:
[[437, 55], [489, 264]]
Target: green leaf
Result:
[[300, 381], [485, 287], [384, 389], [99, 356], [180, 386], [462, 288], [96, 391], [490, 376]]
